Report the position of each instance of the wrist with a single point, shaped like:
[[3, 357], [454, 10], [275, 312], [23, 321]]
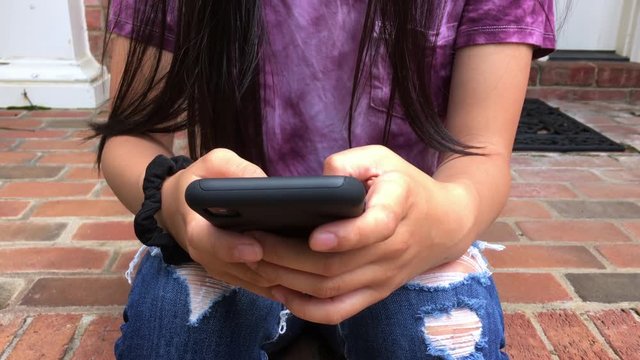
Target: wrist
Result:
[[168, 216], [146, 226], [467, 196], [463, 202]]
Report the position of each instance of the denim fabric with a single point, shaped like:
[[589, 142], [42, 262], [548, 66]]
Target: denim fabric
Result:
[[241, 325]]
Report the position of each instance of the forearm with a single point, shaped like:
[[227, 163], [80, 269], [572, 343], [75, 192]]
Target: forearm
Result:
[[124, 161], [487, 91], [485, 181]]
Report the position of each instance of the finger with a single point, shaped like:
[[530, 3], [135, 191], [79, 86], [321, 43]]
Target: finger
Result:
[[289, 252], [223, 270], [295, 254], [234, 280], [326, 311], [248, 276], [224, 252], [236, 274], [322, 286], [387, 206], [206, 241], [264, 292], [224, 163]]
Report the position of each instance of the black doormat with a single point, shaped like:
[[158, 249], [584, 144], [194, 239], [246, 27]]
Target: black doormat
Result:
[[545, 128]]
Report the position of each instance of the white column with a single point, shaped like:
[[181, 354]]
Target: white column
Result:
[[629, 37], [45, 58]]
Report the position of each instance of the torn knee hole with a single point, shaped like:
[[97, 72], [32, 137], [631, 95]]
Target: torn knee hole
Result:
[[203, 289], [455, 271], [455, 334]]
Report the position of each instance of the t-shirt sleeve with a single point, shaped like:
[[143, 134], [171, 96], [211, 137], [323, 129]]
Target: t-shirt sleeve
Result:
[[124, 20], [508, 21]]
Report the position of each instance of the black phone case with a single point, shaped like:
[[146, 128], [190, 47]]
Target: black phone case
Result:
[[291, 206]]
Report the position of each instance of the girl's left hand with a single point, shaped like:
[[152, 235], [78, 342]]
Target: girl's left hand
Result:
[[412, 223]]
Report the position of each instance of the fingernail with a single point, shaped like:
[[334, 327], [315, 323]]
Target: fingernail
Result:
[[252, 265], [324, 241], [247, 253]]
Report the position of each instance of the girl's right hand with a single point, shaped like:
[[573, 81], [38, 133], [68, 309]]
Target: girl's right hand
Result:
[[223, 254]]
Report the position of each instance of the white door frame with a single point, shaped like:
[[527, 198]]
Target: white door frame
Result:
[[629, 33]]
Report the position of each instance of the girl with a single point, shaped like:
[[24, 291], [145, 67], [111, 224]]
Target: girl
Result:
[[417, 99]]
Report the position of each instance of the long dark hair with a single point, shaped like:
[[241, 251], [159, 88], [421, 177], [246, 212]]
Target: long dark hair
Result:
[[212, 87]]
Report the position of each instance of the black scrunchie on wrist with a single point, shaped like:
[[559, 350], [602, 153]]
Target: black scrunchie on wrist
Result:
[[145, 224]]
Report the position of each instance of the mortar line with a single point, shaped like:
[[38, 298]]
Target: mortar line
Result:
[[77, 336], [16, 338], [564, 282], [540, 332], [594, 330], [608, 266]]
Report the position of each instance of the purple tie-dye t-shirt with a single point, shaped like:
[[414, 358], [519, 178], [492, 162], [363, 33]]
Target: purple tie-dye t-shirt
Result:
[[308, 65]]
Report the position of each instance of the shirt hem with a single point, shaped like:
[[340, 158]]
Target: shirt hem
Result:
[[544, 43]]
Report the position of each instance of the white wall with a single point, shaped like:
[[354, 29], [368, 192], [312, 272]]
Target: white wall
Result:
[[588, 24], [606, 25]]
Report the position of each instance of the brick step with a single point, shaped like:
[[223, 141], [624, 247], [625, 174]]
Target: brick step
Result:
[[585, 80], [568, 334]]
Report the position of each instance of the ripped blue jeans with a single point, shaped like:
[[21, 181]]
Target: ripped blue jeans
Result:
[[181, 313]]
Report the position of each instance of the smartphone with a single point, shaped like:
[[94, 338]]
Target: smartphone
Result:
[[289, 206]]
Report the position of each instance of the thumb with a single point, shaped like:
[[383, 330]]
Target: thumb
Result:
[[363, 163]]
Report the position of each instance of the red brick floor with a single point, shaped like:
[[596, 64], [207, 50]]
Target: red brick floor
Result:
[[569, 278]]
